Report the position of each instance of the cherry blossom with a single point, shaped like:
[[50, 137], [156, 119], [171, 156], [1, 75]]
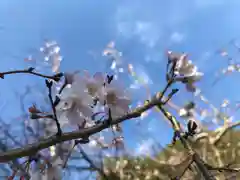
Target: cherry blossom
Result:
[[94, 83], [52, 170], [115, 98], [76, 99], [185, 70], [115, 57], [75, 104], [51, 52]]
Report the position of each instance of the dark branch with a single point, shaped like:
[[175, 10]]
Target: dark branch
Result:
[[31, 149], [49, 86], [30, 71]]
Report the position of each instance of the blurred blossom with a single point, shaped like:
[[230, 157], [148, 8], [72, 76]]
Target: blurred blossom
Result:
[[94, 83], [51, 51], [223, 53], [204, 113], [185, 71], [144, 115], [115, 57], [228, 70], [52, 172], [118, 142], [86, 94], [225, 103], [182, 112], [116, 98], [187, 111], [75, 104], [52, 150], [93, 143]]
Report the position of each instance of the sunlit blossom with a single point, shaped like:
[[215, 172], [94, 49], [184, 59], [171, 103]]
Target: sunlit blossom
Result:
[[75, 104], [115, 98]]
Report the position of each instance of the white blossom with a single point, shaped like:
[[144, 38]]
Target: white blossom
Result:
[[115, 98], [185, 70], [52, 171], [182, 112], [75, 104], [225, 103], [76, 100], [51, 51], [94, 83]]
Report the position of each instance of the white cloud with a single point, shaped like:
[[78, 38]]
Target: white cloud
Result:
[[130, 23], [147, 32], [150, 26], [177, 37]]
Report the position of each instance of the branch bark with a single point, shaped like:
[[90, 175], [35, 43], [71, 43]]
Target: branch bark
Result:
[[30, 71], [32, 149], [222, 131], [198, 161]]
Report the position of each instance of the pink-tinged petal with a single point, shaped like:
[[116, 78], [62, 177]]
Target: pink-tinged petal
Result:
[[114, 87], [99, 77], [71, 77], [124, 104], [75, 118], [86, 74], [116, 111], [56, 63], [86, 111], [54, 173]]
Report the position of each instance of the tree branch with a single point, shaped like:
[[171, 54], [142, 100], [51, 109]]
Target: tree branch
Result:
[[30, 71], [31, 149], [49, 86], [176, 127], [222, 131]]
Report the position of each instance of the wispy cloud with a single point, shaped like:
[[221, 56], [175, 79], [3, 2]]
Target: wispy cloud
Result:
[[177, 37], [147, 32]]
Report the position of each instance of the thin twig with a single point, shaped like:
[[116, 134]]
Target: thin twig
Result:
[[30, 71], [223, 168], [49, 85], [31, 149], [199, 162], [222, 131]]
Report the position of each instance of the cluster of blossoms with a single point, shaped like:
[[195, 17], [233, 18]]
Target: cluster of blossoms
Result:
[[185, 71], [51, 51], [115, 58], [82, 98], [86, 96]]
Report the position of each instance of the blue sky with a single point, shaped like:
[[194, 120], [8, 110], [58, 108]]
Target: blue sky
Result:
[[143, 31]]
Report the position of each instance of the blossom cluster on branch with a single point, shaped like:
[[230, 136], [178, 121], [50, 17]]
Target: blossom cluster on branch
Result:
[[91, 104]]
